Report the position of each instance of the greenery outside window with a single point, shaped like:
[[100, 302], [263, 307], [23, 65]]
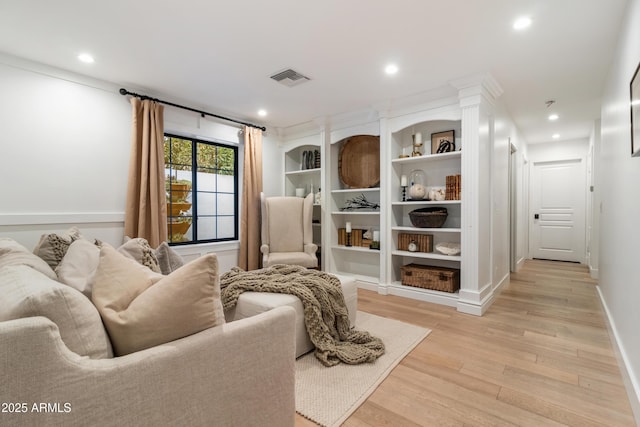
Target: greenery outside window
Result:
[[207, 170]]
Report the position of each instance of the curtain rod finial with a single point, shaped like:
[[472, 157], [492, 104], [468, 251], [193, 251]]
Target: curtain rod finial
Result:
[[123, 91]]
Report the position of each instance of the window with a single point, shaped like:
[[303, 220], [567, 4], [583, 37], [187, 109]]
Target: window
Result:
[[207, 170]]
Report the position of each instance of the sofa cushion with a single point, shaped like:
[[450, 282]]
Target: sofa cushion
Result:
[[297, 258], [142, 309], [13, 253], [52, 247], [78, 267], [27, 293], [138, 249], [168, 259]]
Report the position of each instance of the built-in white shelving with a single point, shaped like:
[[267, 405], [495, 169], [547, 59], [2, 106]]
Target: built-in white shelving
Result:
[[435, 167], [350, 213], [427, 255], [468, 111], [356, 190], [426, 230], [356, 249], [310, 172], [427, 158], [309, 179]]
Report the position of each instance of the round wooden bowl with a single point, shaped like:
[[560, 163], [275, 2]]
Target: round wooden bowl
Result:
[[359, 161]]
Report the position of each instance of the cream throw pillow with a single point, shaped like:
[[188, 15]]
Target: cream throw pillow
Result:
[[142, 309], [168, 259], [139, 250], [78, 267]]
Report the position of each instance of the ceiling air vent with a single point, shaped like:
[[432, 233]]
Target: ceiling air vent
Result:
[[290, 78]]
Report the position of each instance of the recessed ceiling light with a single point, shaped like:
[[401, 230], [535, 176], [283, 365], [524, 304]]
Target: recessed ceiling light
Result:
[[555, 136], [86, 58], [522, 23], [262, 113], [391, 69], [553, 117]]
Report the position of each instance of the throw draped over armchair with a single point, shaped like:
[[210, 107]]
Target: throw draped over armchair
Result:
[[287, 234]]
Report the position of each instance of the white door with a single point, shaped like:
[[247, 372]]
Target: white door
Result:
[[558, 210]]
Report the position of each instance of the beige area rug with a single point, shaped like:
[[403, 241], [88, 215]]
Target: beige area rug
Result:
[[328, 396]]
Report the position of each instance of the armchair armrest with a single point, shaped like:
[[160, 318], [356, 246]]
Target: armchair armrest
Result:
[[310, 248], [239, 373]]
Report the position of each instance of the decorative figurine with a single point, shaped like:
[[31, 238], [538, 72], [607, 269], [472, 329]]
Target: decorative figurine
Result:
[[417, 185]]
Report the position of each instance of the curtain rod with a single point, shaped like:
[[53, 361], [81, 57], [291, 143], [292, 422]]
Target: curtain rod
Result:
[[123, 91]]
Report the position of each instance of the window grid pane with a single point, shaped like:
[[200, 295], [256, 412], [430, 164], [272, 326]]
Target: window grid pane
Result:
[[201, 205]]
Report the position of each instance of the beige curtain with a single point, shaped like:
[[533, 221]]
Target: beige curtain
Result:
[[146, 208], [249, 258]]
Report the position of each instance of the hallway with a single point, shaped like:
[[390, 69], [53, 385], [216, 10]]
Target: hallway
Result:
[[541, 355]]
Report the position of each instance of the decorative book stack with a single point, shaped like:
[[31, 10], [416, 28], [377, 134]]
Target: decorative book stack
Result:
[[423, 242], [453, 188], [356, 237]]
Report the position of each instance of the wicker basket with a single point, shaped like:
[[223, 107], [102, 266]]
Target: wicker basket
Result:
[[430, 277], [428, 217]]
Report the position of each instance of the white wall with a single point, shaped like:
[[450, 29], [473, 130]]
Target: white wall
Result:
[[64, 155], [593, 237], [618, 179], [506, 134], [272, 165], [559, 150]]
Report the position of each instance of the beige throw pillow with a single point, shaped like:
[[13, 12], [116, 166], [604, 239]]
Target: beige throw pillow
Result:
[[78, 267], [139, 250], [168, 259], [142, 309]]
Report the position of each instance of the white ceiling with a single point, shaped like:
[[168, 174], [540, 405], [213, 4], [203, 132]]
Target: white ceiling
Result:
[[218, 55]]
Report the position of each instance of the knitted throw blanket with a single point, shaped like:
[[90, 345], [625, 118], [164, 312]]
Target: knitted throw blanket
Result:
[[325, 312]]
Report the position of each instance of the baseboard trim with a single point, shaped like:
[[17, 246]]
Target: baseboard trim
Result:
[[505, 281], [594, 272], [628, 376]]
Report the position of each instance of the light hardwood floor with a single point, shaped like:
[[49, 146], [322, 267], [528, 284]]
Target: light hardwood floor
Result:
[[540, 356]]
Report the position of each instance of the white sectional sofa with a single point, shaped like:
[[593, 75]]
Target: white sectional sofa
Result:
[[57, 365]]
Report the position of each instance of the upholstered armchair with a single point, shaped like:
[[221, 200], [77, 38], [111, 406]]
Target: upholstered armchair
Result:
[[287, 234]]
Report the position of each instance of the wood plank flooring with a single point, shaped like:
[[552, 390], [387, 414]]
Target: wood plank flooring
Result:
[[540, 356]]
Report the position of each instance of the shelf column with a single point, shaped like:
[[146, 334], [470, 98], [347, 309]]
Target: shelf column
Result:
[[476, 101]]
